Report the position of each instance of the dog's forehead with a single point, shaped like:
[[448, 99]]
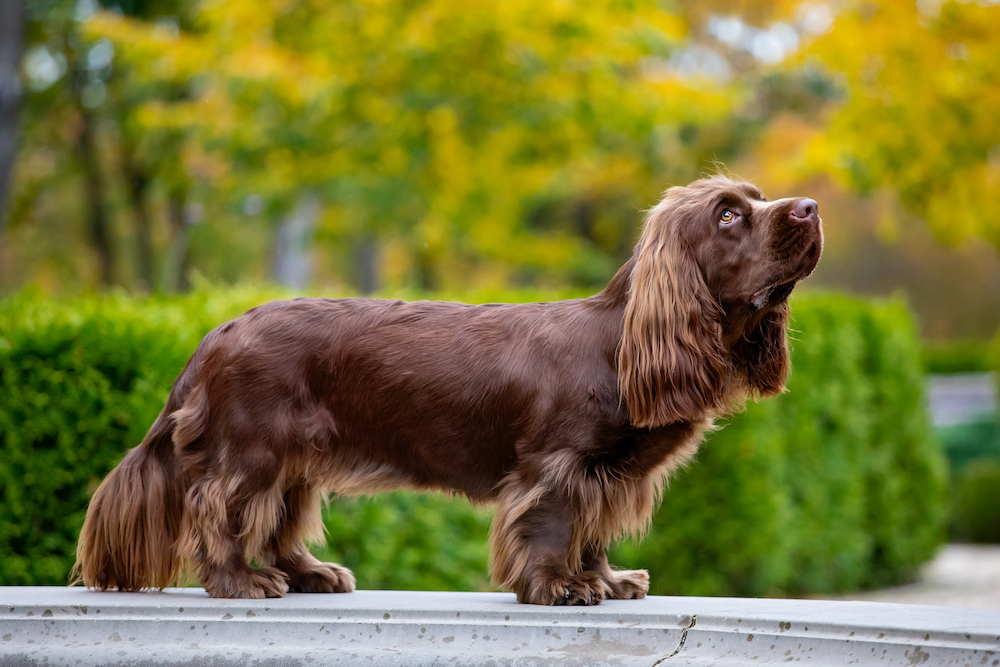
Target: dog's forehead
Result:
[[728, 189], [748, 191], [751, 191]]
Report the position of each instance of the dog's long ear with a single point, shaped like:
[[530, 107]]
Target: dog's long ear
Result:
[[671, 364], [762, 354]]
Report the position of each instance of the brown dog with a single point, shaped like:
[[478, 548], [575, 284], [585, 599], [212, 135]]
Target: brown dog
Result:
[[568, 415]]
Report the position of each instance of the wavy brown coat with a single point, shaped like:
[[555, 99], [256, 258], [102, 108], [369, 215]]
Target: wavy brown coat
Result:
[[567, 415]]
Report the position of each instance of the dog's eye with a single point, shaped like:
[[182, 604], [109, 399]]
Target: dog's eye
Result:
[[727, 216]]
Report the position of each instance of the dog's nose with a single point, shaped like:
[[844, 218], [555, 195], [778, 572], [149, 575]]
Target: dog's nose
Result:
[[806, 209]]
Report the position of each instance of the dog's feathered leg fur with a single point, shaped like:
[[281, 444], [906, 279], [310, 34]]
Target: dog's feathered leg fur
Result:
[[234, 505], [623, 584], [531, 537]]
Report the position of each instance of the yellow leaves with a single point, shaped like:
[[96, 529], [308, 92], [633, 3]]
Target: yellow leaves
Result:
[[923, 83], [789, 150], [703, 104], [202, 165], [393, 161], [159, 54], [237, 21], [450, 161], [966, 206], [281, 166], [440, 122], [152, 53], [670, 25], [433, 233]]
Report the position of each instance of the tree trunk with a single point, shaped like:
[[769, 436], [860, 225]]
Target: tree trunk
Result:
[[11, 27], [97, 215], [367, 256], [427, 279], [178, 262], [137, 182], [292, 265]]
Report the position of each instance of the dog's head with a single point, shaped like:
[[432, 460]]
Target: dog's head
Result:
[[708, 302]]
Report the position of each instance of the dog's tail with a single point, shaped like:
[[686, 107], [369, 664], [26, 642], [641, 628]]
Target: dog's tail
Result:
[[129, 536]]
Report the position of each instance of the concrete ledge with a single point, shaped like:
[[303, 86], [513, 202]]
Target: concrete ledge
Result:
[[74, 626]]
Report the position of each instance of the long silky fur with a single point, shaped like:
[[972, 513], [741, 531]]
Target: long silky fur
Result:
[[671, 365], [763, 354], [127, 540]]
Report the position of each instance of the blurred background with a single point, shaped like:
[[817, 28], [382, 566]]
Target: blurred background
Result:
[[167, 163]]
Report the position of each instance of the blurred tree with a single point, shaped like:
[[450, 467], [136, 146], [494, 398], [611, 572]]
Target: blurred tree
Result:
[[59, 119], [503, 141], [505, 145], [920, 116], [895, 101], [77, 134]]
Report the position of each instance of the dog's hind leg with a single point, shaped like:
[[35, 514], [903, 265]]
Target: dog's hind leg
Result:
[[300, 523], [624, 584], [229, 516]]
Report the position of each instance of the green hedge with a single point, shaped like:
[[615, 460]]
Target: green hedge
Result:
[[976, 512], [833, 486], [958, 356], [80, 383]]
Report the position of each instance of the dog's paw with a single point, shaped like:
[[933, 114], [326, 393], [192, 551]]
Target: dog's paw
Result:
[[319, 577], [267, 582], [586, 588], [628, 584], [249, 584]]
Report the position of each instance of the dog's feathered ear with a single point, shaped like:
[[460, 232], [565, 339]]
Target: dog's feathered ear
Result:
[[762, 354], [671, 364]]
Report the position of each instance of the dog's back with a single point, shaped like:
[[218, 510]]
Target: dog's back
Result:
[[360, 395]]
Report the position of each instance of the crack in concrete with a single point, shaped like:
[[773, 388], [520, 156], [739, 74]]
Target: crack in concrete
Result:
[[684, 636]]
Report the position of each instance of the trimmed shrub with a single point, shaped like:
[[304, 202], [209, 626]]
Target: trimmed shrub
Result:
[[79, 385], [965, 443], [958, 356], [832, 486], [907, 474], [976, 508], [409, 541]]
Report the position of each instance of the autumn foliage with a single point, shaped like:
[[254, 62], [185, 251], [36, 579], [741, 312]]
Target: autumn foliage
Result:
[[438, 143]]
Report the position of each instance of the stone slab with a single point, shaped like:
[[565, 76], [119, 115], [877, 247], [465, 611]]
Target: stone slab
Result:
[[75, 626]]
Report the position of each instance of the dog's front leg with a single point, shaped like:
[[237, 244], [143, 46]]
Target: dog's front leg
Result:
[[532, 549]]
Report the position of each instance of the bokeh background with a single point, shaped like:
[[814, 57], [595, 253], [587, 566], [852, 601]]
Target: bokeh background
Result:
[[165, 164]]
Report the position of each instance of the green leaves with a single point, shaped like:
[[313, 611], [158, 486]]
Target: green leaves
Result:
[[409, 541]]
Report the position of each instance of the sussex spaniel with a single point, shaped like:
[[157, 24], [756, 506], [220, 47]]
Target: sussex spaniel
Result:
[[567, 415]]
